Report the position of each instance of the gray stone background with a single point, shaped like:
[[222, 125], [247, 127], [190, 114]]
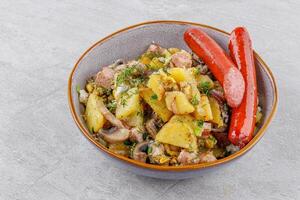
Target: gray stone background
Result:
[[44, 156]]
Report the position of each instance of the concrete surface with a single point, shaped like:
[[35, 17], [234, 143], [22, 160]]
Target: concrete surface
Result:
[[44, 156]]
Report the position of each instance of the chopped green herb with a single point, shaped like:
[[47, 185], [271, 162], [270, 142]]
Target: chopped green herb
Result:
[[128, 143], [197, 71], [139, 113], [123, 101], [204, 87], [78, 88], [195, 100], [112, 106], [145, 135], [106, 91], [121, 78], [149, 150], [165, 69], [154, 97], [198, 131], [200, 123]]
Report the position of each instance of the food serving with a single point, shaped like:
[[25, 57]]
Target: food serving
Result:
[[172, 107]]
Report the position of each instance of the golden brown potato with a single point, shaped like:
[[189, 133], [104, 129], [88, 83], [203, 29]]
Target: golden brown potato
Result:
[[203, 109], [119, 148], [128, 103], [156, 63], [156, 85], [179, 131], [204, 80], [180, 74], [216, 112], [178, 103], [94, 118], [136, 118], [159, 107]]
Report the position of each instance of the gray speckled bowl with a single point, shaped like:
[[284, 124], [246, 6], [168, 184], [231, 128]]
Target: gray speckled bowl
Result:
[[129, 43]]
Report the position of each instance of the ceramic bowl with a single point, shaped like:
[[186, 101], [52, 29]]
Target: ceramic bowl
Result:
[[129, 43]]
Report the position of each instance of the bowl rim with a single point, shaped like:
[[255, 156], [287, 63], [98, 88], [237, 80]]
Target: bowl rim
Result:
[[135, 163]]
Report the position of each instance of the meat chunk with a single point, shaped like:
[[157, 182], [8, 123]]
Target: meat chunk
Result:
[[207, 157], [105, 77], [186, 157], [156, 153], [156, 49], [181, 59]]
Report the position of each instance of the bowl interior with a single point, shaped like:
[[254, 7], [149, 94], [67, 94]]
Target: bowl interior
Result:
[[130, 43]]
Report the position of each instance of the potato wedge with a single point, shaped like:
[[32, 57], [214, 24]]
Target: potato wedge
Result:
[[203, 109], [204, 80], [135, 119], [178, 103], [155, 63], [216, 112], [128, 103], [156, 85], [145, 59], [158, 106], [94, 118], [180, 74], [178, 132]]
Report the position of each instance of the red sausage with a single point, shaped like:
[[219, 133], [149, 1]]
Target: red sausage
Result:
[[243, 117], [219, 64]]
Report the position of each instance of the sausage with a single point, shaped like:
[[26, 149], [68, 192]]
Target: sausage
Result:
[[243, 117], [219, 64]]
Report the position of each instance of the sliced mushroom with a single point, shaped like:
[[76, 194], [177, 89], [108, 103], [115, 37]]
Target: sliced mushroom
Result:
[[151, 128], [218, 95], [114, 135], [117, 63], [153, 125], [136, 134], [109, 116], [140, 152]]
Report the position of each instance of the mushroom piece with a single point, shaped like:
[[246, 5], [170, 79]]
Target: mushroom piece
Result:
[[136, 134], [153, 125], [117, 63], [218, 95], [151, 128], [114, 135], [109, 116], [140, 152]]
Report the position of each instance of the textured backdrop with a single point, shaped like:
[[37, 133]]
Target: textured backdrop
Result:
[[44, 156]]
